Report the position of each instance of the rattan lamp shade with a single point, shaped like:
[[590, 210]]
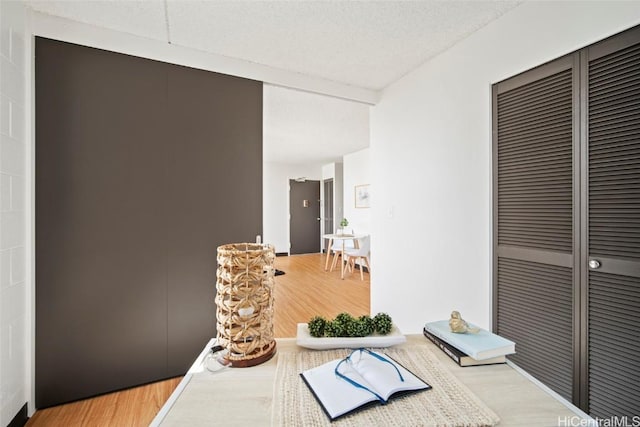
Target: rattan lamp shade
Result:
[[244, 300]]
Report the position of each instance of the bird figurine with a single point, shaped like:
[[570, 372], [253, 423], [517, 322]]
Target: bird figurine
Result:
[[459, 326]]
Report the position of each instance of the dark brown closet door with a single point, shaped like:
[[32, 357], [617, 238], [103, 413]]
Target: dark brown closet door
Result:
[[612, 244], [534, 219]]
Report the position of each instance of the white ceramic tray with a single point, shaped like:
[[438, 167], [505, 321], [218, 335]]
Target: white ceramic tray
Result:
[[303, 339]]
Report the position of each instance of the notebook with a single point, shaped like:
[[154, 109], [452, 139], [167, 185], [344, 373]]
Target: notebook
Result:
[[363, 378]]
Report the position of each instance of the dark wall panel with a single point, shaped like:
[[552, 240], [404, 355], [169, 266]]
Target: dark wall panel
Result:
[[100, 261], [142, 169], [216, 159]]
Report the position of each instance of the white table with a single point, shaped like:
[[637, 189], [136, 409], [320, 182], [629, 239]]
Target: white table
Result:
[[341, 237], [243, 396]]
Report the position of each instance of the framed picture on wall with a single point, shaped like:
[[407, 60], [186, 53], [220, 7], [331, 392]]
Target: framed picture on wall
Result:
[[363, 197]]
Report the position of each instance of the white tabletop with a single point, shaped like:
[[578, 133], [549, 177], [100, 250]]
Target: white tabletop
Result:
[[343, 236], [243, 396]]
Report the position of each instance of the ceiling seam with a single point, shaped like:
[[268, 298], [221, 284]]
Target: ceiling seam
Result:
[[166, 20]]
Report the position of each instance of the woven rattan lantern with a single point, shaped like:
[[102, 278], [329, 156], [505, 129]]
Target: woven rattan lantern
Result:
[[245, 280]]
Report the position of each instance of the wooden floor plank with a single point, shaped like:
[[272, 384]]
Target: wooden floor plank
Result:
[[305, 290], [133, 407]]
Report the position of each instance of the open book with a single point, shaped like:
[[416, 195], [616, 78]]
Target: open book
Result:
[[364, 377]]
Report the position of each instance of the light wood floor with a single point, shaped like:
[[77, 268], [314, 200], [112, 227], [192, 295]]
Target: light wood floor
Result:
[[307, 290], [134, 407], [304, 291]]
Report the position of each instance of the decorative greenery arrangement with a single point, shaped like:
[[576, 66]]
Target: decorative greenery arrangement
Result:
[[382, 323], [344, 222], [345, 325]]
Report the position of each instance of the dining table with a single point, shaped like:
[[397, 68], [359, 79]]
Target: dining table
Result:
[[342, 238]]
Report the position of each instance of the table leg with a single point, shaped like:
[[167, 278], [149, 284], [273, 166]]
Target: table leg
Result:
[[342, 261], [326, 263]]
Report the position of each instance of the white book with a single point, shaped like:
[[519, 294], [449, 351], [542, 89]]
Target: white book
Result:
[[369, 380], [480, 346]]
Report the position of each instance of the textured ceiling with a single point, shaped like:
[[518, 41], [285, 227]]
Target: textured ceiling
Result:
[[143, 18], [302, 127], [365, 44], [368, 44]]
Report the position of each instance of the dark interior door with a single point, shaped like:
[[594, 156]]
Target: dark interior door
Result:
[[304, 213], [613, 245], [577, 116], [534, 220]]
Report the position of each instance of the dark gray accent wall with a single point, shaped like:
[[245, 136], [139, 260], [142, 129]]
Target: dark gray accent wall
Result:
[[142, 169], [215, 164]]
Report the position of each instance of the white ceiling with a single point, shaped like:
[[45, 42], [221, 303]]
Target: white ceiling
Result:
[[365, 44], [306, 128]]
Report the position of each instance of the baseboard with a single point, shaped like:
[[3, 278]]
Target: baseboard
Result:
[[282, 254], [20, 419]]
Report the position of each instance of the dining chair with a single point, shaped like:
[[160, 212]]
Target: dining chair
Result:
[[360, 253], [336, 250]]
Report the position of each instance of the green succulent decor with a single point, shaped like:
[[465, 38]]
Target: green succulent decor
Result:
[[367, 324], [340, 324], [344, 319], [317, 326], [345, 325], [333, 329], [382, 323], [356, 329]]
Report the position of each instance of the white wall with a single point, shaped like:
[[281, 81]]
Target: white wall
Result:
[[334, 171], [431, 159], [356, 172], [275, 199], [15, 288]]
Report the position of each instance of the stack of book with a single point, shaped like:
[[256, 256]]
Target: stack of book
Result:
[[469, 349]]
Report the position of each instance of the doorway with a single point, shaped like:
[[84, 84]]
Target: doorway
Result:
[[304, 217], [328, 206]]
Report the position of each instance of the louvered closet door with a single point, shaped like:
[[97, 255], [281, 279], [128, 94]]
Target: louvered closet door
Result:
[[613, 116], [533, 219]]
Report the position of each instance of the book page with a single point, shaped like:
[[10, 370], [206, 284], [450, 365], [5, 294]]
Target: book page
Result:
[[384, 378], [335, 394]]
